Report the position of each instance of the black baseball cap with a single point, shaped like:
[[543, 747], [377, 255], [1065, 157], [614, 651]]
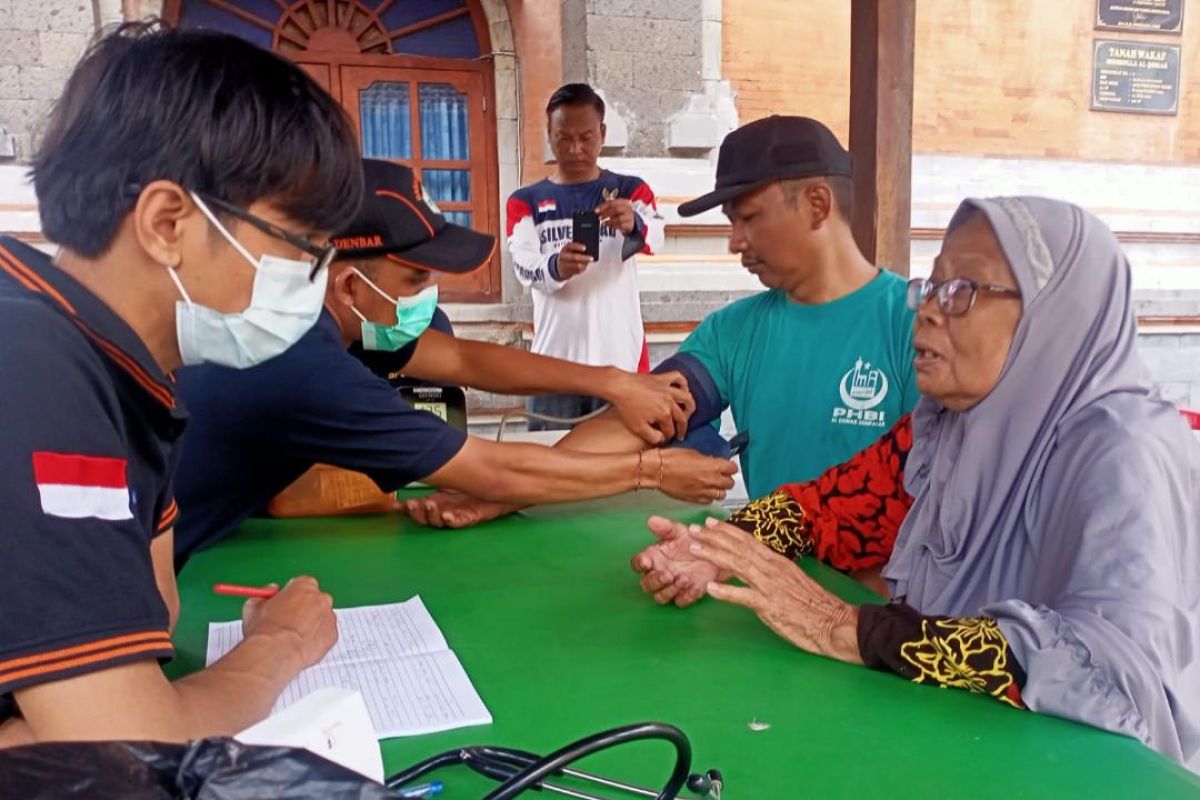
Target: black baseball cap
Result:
[[772, 149], [397, 220]]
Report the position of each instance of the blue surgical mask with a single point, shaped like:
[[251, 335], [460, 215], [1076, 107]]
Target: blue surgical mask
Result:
[[413, 315], [284, 304]]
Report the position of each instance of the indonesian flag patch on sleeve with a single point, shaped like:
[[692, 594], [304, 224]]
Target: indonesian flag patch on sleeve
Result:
[[79, 487]]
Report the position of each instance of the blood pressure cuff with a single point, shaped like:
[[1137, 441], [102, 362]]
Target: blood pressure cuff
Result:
[[709, 404]]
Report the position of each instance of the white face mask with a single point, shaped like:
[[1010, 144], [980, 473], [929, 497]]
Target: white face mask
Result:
[[284, 305]]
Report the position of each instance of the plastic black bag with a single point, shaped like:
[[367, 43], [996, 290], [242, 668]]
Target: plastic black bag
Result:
[[209, 769]]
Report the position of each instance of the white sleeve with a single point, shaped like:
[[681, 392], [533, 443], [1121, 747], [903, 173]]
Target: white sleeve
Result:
[[533, 267], [646, 207]]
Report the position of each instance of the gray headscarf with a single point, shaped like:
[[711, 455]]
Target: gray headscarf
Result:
[[1064, 504]]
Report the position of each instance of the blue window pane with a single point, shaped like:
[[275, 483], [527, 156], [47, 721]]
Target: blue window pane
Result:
[[264, 9], [410, 12], [199, 14], [386, 122], [453, 39], [445, 132], [448, 185], [459, 218]]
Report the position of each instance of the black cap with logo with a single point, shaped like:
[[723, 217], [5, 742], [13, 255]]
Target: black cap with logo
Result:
[[398, 220], [768, 150]]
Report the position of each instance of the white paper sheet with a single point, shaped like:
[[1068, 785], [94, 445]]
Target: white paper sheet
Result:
[[397, 657], [333, 723]]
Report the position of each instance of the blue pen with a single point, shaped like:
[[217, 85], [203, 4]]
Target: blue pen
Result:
[[424, 791]]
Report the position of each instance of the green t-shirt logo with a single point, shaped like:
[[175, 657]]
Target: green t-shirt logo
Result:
[[862, 388]]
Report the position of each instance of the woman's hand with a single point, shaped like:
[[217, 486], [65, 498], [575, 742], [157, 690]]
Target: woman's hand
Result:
[[669, 570], [787, 600]]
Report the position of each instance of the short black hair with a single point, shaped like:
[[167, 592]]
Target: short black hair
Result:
[[206, 110], [576, 94], [840, 186]]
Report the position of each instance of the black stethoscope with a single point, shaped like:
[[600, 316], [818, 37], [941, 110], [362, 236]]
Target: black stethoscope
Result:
[[519, 771]]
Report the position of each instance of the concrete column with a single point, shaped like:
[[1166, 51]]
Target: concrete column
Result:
[[42, 41], [711, 18], [109, 12], [508, 114], [707, 117], [646, 57], [575, 42]]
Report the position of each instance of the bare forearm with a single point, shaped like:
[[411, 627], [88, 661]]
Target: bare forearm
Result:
[[533, 374], [561, 475], [237, 691], [605, 434], [136, 702], [162, 555], [14, 733], [531, 474], [507, 370]]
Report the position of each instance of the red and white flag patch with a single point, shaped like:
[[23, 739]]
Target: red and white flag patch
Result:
[[547, 207], [78, 487]]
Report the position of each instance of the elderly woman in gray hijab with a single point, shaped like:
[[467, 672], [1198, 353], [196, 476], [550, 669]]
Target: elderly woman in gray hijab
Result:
[[1036, 518]]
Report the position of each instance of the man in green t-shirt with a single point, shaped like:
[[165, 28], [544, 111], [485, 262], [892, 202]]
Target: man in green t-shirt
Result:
[[814, 369]]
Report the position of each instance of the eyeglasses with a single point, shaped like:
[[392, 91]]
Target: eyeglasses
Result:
[[955, 297], [322, 256]]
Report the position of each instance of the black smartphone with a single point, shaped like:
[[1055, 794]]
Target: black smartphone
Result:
[[585, 229]]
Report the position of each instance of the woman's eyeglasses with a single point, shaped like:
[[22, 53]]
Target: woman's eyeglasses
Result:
[[955, 297]]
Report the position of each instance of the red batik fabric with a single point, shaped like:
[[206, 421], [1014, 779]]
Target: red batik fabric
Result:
[[848, 517]]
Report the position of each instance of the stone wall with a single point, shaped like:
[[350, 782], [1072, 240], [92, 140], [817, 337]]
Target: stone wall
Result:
[[40, 41], [645, 56]]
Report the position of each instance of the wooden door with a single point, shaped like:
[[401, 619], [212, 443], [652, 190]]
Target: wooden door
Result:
[[321, 73], [435, 121]]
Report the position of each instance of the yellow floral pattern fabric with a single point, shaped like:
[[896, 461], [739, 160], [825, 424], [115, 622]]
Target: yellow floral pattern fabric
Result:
[[777, 521], [965, 653]]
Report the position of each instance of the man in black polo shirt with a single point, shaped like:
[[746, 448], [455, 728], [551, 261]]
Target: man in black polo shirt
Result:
[[256, 431], [189, 180]]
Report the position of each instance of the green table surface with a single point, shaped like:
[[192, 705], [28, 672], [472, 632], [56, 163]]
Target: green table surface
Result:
[[552, 628]]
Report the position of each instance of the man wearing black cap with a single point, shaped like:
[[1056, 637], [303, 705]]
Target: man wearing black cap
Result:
[[818, 366], [256, 431]]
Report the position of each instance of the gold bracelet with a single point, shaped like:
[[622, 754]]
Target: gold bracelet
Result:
[[661, 469], [638, 478]]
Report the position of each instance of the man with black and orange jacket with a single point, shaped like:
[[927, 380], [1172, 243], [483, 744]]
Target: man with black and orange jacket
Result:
[[178, 168]]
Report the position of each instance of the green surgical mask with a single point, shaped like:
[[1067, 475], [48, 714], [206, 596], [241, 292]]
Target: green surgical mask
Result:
[[413, 315]]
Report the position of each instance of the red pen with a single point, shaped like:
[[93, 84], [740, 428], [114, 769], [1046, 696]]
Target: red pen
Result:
[[234, 590]]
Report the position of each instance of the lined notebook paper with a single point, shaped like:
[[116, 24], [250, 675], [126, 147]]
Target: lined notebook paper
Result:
[[397, 657]]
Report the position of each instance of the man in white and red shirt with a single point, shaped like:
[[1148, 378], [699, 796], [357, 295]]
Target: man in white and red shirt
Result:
[[583, 310]]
